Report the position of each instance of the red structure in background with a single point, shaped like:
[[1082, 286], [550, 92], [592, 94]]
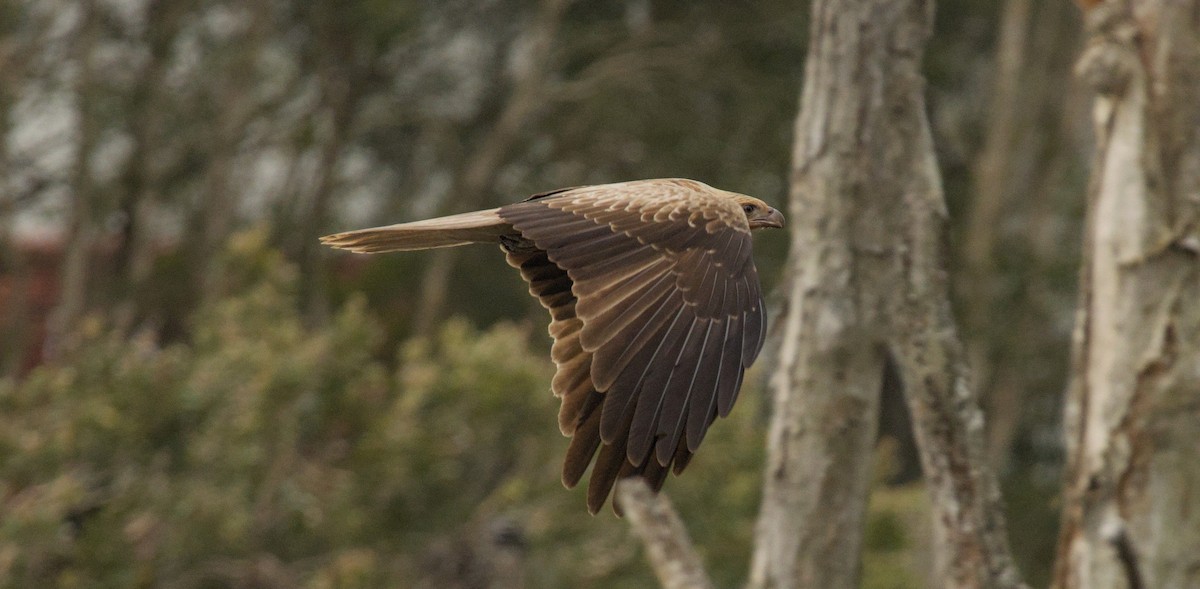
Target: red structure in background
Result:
[[30, 292], [28, 296]]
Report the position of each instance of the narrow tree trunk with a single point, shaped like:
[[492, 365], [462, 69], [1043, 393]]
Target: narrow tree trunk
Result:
[[970, 538], [868, 279], [218, 214], [141, 182], [486, 161], [342, 67], [14, 271], [991, 190], [1132, 513], [1016, 182], [340, 102], [14, 317], [219, 210], [991, 186], [81, 228]]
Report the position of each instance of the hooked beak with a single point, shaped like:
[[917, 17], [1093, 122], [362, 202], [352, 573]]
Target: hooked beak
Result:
[[773, 219]]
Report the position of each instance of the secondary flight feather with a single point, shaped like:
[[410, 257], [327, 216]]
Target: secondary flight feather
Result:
[[655, 306]]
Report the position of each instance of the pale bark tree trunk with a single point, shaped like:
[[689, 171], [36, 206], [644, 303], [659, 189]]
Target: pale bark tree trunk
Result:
[[868, 279], [1132, 421], [970, 537], [827, 384]]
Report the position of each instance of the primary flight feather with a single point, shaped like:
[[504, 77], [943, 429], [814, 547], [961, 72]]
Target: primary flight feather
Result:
[[655, 305]]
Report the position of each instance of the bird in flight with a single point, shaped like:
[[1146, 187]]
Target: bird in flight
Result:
[[655, 305]]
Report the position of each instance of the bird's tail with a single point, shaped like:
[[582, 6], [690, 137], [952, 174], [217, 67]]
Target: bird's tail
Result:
[[479, 226]]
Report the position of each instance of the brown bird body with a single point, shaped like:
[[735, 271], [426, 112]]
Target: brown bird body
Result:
[[656, 310]]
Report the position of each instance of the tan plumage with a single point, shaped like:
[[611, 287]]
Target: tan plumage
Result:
[[655, 305]]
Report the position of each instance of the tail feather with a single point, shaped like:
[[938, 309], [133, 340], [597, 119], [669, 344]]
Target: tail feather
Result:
[[479, 226]]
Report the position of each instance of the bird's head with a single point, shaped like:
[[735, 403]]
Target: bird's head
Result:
[[759, 214]]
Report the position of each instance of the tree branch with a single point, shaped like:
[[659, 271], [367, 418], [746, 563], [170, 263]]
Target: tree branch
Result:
[[668, 547]]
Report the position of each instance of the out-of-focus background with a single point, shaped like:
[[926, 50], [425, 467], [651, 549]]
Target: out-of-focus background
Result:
[[194, 393]]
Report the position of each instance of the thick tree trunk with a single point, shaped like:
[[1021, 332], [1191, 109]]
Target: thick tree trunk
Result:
[[826, 386], [868, 279], [1132, 421]]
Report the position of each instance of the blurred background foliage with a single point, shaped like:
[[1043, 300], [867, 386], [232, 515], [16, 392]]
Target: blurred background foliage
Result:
[[265, 453], [195, 394]]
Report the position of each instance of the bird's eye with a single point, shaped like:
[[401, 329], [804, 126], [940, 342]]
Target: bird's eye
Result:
[[749, 208]]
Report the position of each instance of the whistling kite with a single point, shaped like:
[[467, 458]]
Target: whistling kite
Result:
[[656, 310]]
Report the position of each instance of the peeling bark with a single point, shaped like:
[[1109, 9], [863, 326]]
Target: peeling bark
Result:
[[1132, 416]]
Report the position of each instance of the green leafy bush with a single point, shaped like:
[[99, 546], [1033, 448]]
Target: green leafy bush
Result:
[[262, 453], [265, 453]]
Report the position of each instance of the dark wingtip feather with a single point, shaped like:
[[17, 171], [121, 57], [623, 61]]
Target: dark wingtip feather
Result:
[[604, 475], [681, 461], [584, 443]]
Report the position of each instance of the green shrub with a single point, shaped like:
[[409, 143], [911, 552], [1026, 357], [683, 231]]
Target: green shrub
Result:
[[264, 453]]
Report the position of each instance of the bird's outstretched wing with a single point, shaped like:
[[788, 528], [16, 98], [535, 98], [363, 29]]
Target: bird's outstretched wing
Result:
[[656, 314]]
